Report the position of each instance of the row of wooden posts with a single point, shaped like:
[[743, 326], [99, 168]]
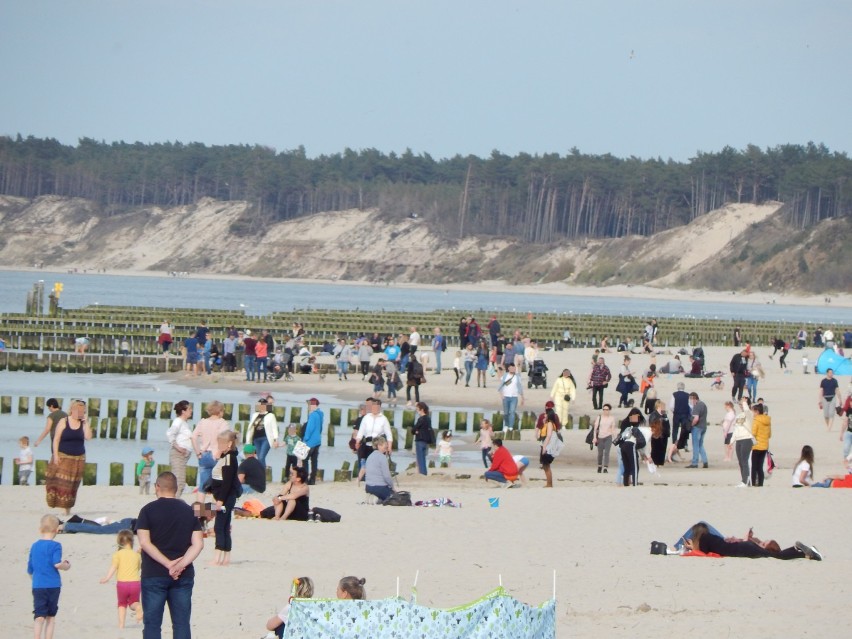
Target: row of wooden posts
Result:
[[135, 424], [141, 326]]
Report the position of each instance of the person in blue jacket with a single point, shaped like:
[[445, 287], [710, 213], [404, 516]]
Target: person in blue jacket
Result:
[[313, 437]]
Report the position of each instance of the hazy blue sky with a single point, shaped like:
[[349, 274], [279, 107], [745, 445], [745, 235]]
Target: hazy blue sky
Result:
[[645, 78]]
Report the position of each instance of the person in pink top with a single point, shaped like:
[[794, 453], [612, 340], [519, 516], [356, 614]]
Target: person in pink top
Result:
[[204, 441], [485, 438]]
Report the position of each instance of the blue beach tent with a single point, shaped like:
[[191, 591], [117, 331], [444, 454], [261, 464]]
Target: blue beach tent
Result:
[[830, 359]]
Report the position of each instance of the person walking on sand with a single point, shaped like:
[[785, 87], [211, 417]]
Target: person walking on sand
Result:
[[512, 391], [699, 430], [55, 416], [66, 466], [743, 441], [564, 392], [598, 380], [828, 388], [739, 371], [44, 563], [605, 430], [170, 537], [179, 436]]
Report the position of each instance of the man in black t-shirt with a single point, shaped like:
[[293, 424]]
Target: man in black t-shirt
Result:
[[251, 472], [170, 538]]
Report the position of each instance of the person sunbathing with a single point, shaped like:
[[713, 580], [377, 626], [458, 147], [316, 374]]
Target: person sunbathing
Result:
[[701, 538]]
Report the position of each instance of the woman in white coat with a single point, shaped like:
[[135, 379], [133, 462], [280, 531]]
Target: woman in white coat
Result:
[[262, 431]]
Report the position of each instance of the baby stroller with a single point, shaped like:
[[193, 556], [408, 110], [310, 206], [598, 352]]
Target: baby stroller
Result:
[[537, 374]]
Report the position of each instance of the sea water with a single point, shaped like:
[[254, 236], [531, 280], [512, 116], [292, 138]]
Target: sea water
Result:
[[263, 297]]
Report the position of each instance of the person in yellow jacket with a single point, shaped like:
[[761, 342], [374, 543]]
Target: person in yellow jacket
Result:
[[563, 393], [761, 430]]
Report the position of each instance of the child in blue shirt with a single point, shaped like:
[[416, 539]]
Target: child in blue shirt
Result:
[[43, 566]]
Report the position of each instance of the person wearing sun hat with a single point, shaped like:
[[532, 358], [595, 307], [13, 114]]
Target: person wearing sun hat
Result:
[[313, 437], [251, 473]]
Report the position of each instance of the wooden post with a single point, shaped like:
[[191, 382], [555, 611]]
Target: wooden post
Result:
[[23, 405], [166, 410], [90, 475], [150, 411], [116, 474]]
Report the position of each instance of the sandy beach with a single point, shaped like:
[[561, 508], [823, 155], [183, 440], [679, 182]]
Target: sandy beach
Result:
[[594, 534]]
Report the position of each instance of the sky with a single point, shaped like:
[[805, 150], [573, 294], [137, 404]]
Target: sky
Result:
[[631, 78]]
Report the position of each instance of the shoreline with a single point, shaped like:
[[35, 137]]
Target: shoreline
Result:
[[629, 291]]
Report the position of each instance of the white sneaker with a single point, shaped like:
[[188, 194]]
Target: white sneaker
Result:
[[742, 485]]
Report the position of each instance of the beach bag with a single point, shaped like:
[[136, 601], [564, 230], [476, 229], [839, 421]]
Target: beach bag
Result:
[[556, 444], [301, 451], [399, 498], [325, 515], [659, 548], [590, 438]]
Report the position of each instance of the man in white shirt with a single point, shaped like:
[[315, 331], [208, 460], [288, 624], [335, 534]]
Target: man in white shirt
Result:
[[373, 424], [511, 390], [413, 341]]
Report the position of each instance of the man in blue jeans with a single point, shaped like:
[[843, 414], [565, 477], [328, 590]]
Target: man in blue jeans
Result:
[[699, 429], [511, 390], [170, 538]]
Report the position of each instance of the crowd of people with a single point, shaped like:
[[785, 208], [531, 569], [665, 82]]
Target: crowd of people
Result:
[[654, 433]]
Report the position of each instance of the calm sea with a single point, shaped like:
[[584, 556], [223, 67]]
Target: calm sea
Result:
[[259, 297]]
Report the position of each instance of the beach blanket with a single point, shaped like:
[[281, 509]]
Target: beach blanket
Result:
[[494, 616], [438, 503]]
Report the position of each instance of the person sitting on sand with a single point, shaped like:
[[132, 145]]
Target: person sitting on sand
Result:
[[351, 588], [705, 540], [302, 588], [294, 500], [376, 470]]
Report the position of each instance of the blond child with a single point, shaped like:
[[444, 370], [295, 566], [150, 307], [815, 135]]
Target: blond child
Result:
[[24, 461], [444, 450], [485, 437], [302, 588], [126, 565], [44, 563], [143, 470]]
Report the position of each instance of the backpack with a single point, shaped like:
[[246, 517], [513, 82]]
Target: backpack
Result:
[[399, 498], [443, 343]]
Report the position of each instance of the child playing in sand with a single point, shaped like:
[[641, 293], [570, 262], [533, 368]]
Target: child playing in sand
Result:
[[143, 470], [24, 461], [302, 588], [445, 449], [127, 566], [43, 566], [485, 439], [457, 365]]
